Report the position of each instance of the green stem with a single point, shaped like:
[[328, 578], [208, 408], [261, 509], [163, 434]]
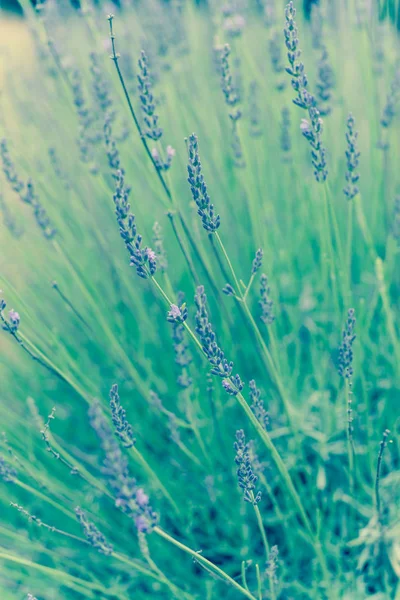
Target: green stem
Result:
[[349, 434], [115, 58], [261, 528], [269, 361], [204, 561], [182, 247], [332, 270], [284, 473], [103, 322], [349, 248], [67, 579], [259, 583], [45, 361], [379, 270], [383, 444], [266, 547], [164, 185]]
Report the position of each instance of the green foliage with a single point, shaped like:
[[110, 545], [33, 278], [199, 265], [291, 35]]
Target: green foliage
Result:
[[310, 508]]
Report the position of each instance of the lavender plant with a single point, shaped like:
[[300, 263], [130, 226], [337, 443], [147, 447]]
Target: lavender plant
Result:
[[101, 181]]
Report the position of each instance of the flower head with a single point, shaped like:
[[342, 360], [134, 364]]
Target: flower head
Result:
[[246, 477], [198, 187], [345, 361], [92, 534]]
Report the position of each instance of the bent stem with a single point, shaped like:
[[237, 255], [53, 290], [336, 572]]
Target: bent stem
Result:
[[208, 565]]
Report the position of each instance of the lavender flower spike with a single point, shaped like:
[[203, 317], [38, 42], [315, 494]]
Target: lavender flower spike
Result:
[[123, 429], [183, 357], [93, 535], [216, 357], [177, 314], [257, 262], [345, 361], [257, 405], [311, 128], [129, 497], [266, 304], [152, 130], [144, 259], [352, 155], [198, 187], [246, 477]]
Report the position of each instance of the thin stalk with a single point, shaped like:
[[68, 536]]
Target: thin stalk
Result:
[[177, 592], [379, 270], [261, 528], [115, 58], [269, 362], [72, 463], [243, 573], [331, 252], [35, 492], [349, 250], [259, 583], [266, 546], [349, 435], [102, 321], [248, 287], [363, 224], [188, 411], [218, 258], [182, 247], [46, 362], [383, 444], [205, 562], [71, 581], [197, 252], [135, 564], [272, 368], [69, 304]]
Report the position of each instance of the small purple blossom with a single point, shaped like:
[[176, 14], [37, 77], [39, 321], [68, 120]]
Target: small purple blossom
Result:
[[171, 151], [141, 498], [177, 314], [14, 318], [151, 255], [163, 165], [175, 311], [305, 126], [142, 524]]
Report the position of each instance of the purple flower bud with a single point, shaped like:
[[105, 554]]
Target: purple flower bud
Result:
[[141, 498], [141, 523], [175, 312], [304, 126], [151, 255], [171, 151]]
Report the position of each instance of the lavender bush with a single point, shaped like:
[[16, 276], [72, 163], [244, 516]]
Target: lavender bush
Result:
[[200, 277]]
